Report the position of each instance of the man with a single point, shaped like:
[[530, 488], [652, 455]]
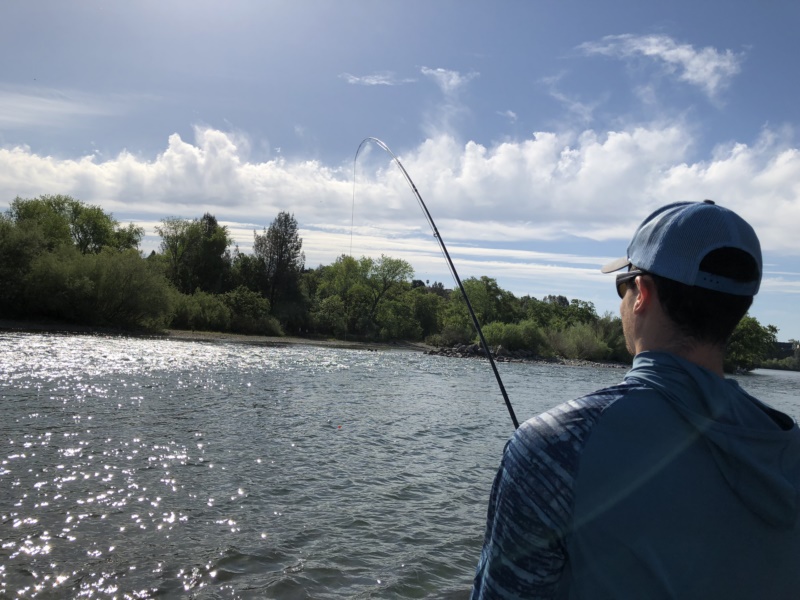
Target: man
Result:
[[675, 483]]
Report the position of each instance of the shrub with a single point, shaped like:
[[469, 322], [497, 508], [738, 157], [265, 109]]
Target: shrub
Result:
[[451, 335], [534, 339], [130, 293], [579, 341], [396, 320], [250, 313], [61, 285], [201, 311], [330, 316], [609, 330], [112, 288], [507, 335]]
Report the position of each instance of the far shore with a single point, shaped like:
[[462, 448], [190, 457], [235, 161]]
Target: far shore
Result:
[[222, 337], [207, 336]]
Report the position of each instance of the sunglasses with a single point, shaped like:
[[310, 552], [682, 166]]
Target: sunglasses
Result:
[[624, 280]]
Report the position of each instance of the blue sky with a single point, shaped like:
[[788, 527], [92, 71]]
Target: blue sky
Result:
[[539, 133]]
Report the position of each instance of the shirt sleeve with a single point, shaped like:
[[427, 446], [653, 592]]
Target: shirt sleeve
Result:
[[530, 508]]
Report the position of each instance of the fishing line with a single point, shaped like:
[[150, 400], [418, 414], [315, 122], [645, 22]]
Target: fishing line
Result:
[[446, 255]]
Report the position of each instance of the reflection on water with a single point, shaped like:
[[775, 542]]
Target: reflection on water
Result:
[[135, 468]]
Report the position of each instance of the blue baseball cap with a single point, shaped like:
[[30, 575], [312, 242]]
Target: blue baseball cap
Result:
[[673, 241]]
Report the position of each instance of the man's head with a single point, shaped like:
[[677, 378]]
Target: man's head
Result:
[[705, 264]]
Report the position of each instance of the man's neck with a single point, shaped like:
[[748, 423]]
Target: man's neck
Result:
[[704, 355]]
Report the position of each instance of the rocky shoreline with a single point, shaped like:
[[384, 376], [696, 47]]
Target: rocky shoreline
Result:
[[500, 354]]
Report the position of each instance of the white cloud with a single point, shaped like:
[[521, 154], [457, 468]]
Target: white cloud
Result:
[[28, 106], [385, 78], [508, 114], [498, 208], [707, 68], [581, 110], [450, 82], [446, 115], [555, 186]]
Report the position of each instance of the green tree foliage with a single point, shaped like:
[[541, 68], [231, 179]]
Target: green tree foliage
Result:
[[385, 279], [68, 261], [196, 253], [201, 311], [789, 363], [112, 288], [250, 313], [750, 345], [177, 238], [344, 281], [489, 301], [330, 316], [609, 329], [248, 271], [279, 252], [20, 244], [427, 308], [212, 262], [580, 341], [64, 220], [525, 335], [437, 287], [558, 312], [63, 259], [363, 287]]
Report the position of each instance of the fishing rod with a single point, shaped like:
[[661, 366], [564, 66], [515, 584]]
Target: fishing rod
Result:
[[446, 254]]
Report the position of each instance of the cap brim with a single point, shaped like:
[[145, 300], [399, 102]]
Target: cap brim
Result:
[[616, 265]]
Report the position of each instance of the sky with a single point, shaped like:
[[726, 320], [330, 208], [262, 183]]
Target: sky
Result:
[[538, 133]]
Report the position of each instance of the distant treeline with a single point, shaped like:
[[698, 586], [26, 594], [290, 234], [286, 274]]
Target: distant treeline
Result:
[[64, 260]]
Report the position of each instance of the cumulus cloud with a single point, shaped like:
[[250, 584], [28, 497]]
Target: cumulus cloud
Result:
[[586, 185], [707, 68], [496, 206], [553, 185]]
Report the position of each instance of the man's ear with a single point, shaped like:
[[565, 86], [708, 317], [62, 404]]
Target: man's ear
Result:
[[646, 293]]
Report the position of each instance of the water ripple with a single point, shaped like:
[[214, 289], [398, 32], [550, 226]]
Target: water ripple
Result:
[[135, 468]]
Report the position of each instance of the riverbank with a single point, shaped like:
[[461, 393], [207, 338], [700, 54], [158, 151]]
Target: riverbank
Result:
[[207, 336], [467, 351]]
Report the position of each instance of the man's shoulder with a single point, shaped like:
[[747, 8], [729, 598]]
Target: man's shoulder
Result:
[[559, 434], [581, 412]]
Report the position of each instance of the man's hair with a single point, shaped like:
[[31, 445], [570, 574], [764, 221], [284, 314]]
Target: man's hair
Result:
[[704, 315]]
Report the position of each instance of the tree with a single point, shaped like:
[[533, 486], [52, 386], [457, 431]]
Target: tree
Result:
[[437, 287], [384, 278], [248, 271], [346, 280], [489, 301], [110, 288], [47, 213], [63, 219], [212, 261], [363, 288], [750, 345], [330, 316], [426, 307], [178, 239], [197, 253], [20, 244], [280, 250]]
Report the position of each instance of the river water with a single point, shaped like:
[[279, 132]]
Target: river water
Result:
[[137, 468]]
